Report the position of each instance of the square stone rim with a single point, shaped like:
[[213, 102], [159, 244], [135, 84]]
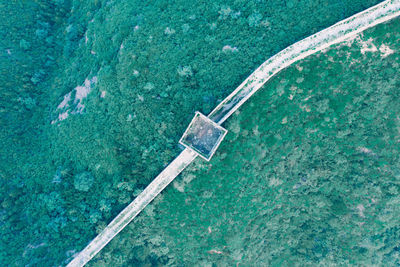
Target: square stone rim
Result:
[[216, 125]]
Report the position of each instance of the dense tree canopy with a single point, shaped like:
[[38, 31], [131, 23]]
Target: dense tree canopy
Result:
[[95, 95]]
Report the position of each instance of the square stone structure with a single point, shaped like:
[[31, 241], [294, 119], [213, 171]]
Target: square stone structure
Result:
[[203, 136]]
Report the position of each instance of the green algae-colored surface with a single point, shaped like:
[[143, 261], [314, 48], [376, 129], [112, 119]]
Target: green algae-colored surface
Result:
[[148, 67], [307, 175]]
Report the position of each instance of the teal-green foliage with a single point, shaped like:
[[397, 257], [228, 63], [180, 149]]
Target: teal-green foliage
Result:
[[124, 139], [83, 181], [307, 175]]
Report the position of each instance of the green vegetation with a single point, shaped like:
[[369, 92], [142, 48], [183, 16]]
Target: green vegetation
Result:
[[154, 64], [308, 173]]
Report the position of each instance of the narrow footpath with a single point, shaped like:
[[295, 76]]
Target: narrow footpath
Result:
[[337, 33]]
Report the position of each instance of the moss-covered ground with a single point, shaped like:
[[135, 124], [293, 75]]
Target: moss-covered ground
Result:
[[154, 64]]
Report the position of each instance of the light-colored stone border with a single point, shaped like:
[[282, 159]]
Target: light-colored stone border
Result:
[[216, 125]]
